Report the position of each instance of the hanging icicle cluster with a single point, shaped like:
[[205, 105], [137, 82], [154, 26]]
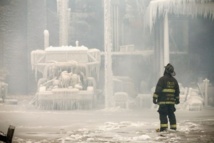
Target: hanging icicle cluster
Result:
[[193, 8]]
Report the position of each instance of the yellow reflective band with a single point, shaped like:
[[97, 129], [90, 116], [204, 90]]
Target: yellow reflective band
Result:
[[155, 95], [170, 99], [168, 90], [170, 95], [164, 125], [173, 126], [169, 102]]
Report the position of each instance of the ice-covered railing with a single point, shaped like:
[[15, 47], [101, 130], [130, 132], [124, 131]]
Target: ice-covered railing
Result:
[[66, 56], [37, 56], [191, 8]]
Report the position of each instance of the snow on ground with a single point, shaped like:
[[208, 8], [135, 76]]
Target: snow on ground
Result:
[[113, 125]]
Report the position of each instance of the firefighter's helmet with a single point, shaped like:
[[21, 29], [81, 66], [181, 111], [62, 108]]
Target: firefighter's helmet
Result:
[[170, 69]]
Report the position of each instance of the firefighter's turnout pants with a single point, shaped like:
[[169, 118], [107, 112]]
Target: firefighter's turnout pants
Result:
[[166, 111]]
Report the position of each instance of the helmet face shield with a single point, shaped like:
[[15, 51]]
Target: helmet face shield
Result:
[[170, 69]]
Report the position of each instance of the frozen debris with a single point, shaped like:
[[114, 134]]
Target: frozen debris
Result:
[[194, 101], [124, 124], [90, 139], [69, 76], [188, 126], [121, 100], [125, 132], [141, 138], [109, 126]]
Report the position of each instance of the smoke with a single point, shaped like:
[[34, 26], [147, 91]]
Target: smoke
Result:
[[194, 40]]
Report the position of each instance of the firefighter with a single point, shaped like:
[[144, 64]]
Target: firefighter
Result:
[[166, 95]]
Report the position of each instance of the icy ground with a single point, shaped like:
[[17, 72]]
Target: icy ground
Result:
[[113, 125]]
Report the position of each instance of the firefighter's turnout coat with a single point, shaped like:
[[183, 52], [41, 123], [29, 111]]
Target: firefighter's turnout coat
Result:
[[166, 95]]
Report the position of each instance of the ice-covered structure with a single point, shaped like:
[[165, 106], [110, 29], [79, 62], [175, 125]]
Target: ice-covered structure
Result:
[[157, 19], [196, 98], [191, 99], [3, 85], [66, 76], [193, 8], [3, 90]]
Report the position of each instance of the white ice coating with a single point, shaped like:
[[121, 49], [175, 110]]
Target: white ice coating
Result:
[[166, 40], [61, 66], [66, 55], [191, 8], [46, 39], [69, 76], [64, 13], [206, 84], [108, 57], [66, 48]]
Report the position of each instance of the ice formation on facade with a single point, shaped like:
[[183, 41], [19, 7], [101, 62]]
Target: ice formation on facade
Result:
[[191, 8]]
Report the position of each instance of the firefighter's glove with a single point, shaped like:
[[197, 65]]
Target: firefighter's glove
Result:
[[177, 101], [155, 101]]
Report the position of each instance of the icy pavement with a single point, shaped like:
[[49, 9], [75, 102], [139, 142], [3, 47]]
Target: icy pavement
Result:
[[130, 132], [104, 126]]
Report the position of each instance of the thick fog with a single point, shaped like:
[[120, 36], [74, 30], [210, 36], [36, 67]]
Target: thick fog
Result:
[[56, 55], [23, 22]]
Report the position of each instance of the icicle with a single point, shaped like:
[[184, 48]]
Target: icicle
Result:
[[178, 7]]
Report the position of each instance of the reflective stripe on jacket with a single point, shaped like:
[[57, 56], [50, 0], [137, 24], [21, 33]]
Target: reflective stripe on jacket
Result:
[[167, 90]]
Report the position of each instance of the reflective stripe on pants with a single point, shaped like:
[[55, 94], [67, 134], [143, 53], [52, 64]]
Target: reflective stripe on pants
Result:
[[165, 112], [173, 126]]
